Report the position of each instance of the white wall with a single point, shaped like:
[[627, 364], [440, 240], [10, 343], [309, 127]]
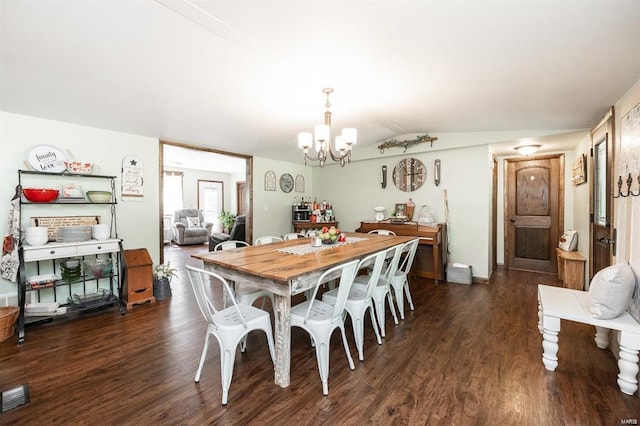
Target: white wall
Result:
[[138, 222], [581, 204], [627, 209], [272, 209]]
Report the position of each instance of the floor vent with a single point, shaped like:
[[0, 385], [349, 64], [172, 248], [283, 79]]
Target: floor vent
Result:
[[12, 398]]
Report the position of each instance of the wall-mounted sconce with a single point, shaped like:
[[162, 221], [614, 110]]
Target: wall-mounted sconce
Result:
[[629, 191], [527, 149], [436, 172], [384, 177]]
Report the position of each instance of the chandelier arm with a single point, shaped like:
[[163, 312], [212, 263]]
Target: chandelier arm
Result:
[[335, 157]]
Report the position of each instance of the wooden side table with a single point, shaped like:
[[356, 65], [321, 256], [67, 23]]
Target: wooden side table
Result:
[[571, 269]]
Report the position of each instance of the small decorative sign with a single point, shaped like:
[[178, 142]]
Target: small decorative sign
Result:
[[269, 180], [580, 170], [47, 158], [299, 183], [55, 222], [132, 178]]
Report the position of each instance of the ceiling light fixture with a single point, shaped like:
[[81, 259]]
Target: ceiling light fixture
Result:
[[527, 149], [322, 138]]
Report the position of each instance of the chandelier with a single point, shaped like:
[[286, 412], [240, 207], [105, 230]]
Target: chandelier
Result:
[[322, 138]]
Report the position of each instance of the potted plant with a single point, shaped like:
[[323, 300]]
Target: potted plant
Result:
[[162, 275], [226, 220]]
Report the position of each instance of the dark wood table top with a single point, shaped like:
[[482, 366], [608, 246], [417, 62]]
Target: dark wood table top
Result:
[[267, 262]]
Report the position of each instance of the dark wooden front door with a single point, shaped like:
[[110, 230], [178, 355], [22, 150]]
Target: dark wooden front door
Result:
[[602, 237], [533, 212]]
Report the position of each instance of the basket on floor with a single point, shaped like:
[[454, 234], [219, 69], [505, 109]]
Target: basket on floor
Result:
[[8, 318]]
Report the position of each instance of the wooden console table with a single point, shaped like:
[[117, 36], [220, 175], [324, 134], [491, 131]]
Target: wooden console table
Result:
[[431, 258]]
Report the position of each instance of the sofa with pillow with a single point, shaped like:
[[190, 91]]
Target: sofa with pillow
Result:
[[189, 227]]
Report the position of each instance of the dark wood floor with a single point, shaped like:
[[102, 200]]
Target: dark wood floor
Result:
[[466, 355]]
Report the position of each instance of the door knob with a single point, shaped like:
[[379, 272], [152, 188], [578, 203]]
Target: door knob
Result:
[[512, 220]]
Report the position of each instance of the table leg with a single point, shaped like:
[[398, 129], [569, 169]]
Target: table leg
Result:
[[551, 328], [282, 314]]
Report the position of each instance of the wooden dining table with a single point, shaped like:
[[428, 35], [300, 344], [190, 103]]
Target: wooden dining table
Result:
[[275, 268]]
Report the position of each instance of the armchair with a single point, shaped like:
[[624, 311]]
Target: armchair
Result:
[[189, 227], [237, 233]]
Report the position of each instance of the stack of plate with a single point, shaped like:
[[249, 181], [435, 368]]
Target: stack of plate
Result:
[[69, 234]]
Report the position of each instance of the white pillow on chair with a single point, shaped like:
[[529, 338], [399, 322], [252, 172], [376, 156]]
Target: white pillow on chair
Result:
[[610, 291]]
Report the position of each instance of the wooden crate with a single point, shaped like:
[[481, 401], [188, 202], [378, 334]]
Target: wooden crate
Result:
[[138, 288]]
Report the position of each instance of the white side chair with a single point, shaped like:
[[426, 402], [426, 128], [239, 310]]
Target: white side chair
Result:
[[381, 232], [382, 290], [360, 299], [229, 326], [400, 281], [293, 236], [230, 244], [320, 319], [246, 292], [266, 240]]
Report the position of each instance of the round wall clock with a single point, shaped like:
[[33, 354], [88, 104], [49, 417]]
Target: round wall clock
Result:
[[286, 182], [409, 174]]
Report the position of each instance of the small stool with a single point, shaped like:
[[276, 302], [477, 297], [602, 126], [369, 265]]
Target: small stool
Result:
[[571, 269]]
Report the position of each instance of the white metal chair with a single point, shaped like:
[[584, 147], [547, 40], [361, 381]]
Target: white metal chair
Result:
[[360, 299], [320, 319], [230, 244], [382, 290], [293, 236], [381, 232], [266, 240], [229, 326], [400, 281], [246, 292]]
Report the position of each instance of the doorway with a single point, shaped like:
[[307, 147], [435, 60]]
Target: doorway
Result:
[[534, 212], [602, 238], [204, 170]]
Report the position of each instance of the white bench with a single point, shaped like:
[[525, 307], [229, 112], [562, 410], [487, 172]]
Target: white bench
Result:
[[556, 303]]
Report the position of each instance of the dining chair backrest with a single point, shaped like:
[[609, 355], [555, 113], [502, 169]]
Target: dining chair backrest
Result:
[[230, 244], [348, 272], [377, 259], [381, 232], [410, 249], [388, 274], [293, 236], [266, 240], [205, 299]]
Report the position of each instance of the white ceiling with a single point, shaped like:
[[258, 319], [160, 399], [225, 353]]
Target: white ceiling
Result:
[[247, 75]]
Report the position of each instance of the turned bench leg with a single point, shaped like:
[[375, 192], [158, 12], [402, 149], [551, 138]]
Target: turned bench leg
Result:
[[602, 337], [628, 365], [550, 330]]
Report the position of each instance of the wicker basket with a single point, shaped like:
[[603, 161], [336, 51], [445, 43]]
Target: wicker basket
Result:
[[8, 318]]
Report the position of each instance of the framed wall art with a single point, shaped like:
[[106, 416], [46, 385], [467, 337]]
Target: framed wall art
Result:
[[269, 180], [580, 170], [299, 183]]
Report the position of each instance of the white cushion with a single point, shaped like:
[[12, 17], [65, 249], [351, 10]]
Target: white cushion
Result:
[[193, 222], [610, 291]]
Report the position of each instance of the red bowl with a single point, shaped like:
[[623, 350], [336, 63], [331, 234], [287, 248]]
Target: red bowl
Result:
[[40, 195]]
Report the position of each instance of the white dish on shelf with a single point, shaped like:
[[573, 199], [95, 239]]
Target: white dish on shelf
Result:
[[46, 307], [60, 311], [41, 279]]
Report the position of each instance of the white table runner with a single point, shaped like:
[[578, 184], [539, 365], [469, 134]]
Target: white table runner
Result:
[[307, 248]]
